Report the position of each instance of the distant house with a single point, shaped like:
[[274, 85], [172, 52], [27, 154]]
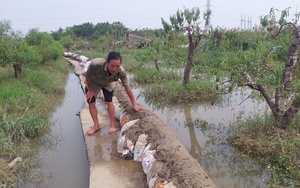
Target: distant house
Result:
[[135, 41]]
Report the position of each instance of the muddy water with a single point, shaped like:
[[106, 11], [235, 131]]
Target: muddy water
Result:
[[210, 148], [65, 164]]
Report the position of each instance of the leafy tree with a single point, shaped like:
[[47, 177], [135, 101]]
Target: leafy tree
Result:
[[103, 28], [57, 35], [46, 45], [84, 30], [15, 50], [283, 97], [67, 42], [119, 30], [187, 21]]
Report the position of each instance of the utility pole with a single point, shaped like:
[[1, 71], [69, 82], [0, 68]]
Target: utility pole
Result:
[[242, 21], [207, 10], [246, 23], [250, 23], [208, 5]]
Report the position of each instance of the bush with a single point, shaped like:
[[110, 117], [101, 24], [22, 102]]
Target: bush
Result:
[[47, 47]]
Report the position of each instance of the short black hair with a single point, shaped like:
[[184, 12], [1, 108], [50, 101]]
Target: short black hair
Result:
[[114, 55]]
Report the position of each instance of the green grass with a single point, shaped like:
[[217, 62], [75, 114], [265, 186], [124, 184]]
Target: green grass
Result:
[[278, 149], [175, 92], [148, 76], [26, 105]]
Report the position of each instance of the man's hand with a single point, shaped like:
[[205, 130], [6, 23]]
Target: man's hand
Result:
[[138, 107], [89, 95]]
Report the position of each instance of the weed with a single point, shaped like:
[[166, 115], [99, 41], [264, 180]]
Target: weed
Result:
[[25, 107], [199, 123], [175, 92], [278, 149]]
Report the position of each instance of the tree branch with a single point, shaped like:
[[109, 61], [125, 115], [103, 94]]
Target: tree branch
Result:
[[262, 89]]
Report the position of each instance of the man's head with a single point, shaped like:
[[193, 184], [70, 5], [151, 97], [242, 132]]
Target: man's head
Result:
[[114, 61]]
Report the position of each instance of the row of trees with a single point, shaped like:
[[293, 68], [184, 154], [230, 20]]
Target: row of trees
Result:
[[42, 47], [283, 99], [34, 47], [101, 35]]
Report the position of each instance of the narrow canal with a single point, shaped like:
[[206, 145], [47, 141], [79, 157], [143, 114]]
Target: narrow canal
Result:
[[65, 163]]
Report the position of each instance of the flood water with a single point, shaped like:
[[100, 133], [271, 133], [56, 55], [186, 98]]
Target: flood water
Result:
[[218, 159], [66, 163]]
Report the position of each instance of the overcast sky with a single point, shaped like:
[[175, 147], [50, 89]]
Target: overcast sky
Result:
[[134, 14]]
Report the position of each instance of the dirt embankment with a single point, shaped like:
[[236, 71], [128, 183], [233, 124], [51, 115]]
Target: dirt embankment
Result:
[[173, 162]]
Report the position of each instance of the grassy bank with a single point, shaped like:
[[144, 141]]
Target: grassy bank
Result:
[[26, 106], [277, 149]]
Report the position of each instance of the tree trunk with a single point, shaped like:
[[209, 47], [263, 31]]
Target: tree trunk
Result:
[[291, 62], [289, 115], [18, 70], [189, 64], [288, 74], [157, 64]]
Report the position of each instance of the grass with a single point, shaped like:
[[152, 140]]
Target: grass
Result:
[[278, 149], [173, 91], [26, 105], [149, 76]]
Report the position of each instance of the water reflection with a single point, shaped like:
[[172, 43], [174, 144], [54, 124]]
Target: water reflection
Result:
[[195, 147], [216, 156]]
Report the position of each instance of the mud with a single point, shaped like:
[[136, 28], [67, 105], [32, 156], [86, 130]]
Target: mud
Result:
[[173, 161]]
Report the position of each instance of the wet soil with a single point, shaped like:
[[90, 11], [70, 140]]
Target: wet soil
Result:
[[173, 162]]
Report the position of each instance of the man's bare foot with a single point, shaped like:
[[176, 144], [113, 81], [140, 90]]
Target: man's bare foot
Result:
[[93, 130], [112, 130]]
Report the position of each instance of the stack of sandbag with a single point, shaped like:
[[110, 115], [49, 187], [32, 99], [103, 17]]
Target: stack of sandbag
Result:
[[144, 138], [140, 151], [83, 60], [68, 54]]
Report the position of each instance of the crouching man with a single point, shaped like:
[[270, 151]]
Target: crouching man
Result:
[[101, 74]]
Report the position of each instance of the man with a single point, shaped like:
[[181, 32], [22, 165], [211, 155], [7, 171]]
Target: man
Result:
[[101, 74]]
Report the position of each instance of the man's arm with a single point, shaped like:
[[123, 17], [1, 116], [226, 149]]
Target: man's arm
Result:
[[132, 99], [91, 93]]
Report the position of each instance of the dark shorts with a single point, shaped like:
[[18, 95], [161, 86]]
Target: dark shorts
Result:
[[108, 95]]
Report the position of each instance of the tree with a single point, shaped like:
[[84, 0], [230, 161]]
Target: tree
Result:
[[119, 30], [48, 48], [67, 42], [15, 50], [285, 101], [57, 35], [84, 30], [187, 21]]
